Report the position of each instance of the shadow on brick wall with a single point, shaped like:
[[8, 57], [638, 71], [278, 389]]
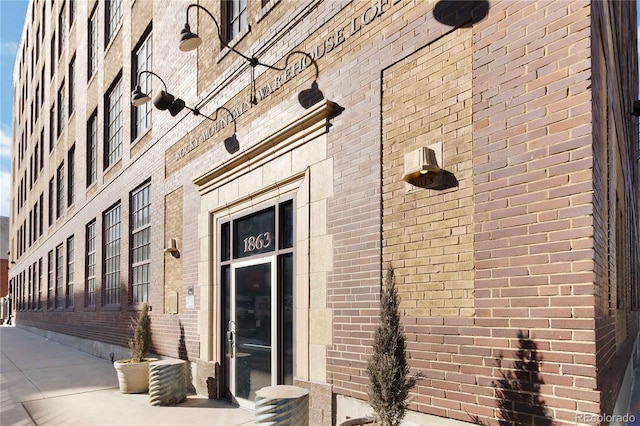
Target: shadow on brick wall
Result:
[[460, 13], [518, 389]]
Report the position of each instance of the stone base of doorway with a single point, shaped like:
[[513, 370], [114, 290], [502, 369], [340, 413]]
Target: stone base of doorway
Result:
[[351, 408], [320, 402]]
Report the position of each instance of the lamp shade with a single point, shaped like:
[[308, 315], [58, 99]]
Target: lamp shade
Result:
[[163, 100], [188, 40], [138, 97]]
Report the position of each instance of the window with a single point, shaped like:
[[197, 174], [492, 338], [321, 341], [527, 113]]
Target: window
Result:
[[52, 190], [111, 255], [140, 244], [72, 12], [70, 274], [59, 276], [90, 284], [53, 53], [62, 116], [37, 103], [62, 30], [39, 305], [113, 148], [71, 164], [52, 128], [41, 149], [92, 142], [142, 62], [72, 82], [41, 218], [36, 158], [50, 280], [92, 47], [60, 189], [35, 221], [236, 18], [113, 16]]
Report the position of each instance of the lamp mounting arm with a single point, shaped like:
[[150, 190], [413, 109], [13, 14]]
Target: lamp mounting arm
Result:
[[251, 60], [196, 112], [152, 73]]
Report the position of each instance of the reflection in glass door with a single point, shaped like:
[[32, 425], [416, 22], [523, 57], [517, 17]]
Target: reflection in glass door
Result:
[[250, 332]]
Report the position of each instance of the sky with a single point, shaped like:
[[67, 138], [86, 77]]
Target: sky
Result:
[[12, 14]]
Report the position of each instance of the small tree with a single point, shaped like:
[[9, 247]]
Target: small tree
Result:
[[388, 370], [141, 341]]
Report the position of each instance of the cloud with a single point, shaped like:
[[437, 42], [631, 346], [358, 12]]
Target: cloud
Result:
[[8, 48], [5, 143], [5, 170], [5, 192]]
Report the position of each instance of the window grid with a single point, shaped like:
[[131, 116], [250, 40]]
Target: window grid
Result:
[[71, 163], [114, 120], [39, 283], [72, 79], [90, 285], [92, 48], [140, 244], [92, 155], [61, 110], [111, 256], [70, 272], [143, 63], [61, 32], [114, 14], [51, 200], [236, 18], [72, 12], [60, 189], [59, 275]]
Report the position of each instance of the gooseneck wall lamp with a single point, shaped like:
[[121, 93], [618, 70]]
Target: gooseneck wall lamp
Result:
[[190, 41], [163, 100]]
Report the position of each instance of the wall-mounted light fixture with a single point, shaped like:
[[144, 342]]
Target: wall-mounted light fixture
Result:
[[163, 100], [420, 165], [172, 247], [190, 41]]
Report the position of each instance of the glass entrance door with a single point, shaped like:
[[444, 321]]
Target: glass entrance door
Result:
[[251, 334]]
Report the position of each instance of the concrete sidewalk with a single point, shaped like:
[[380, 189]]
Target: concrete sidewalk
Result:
[[46, 383]]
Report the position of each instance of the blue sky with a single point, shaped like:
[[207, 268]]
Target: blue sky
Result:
[[11, 20], [12, 14]]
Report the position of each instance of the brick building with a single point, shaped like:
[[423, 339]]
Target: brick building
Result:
[[267, 208]]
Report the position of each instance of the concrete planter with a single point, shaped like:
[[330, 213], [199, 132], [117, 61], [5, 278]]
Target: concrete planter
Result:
[[133, 377], [356, 422]]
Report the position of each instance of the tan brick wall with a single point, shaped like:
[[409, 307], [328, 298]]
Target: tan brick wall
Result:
[[428, 234], [173, 265]]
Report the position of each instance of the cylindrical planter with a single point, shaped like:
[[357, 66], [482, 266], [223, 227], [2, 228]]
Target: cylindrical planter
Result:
[[282, 405], [133, 377], [167, 383], [356, 422]]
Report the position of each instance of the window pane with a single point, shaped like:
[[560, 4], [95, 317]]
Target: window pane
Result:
[[254, 234]]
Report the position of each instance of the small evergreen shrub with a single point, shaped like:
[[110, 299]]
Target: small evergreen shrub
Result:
[[141, 341], [388, 370]]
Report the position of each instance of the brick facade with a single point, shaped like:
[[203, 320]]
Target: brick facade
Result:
[[530, 248]]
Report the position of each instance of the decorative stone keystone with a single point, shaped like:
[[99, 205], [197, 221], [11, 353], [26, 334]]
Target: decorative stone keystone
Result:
[[167, 385], [282, 405]]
